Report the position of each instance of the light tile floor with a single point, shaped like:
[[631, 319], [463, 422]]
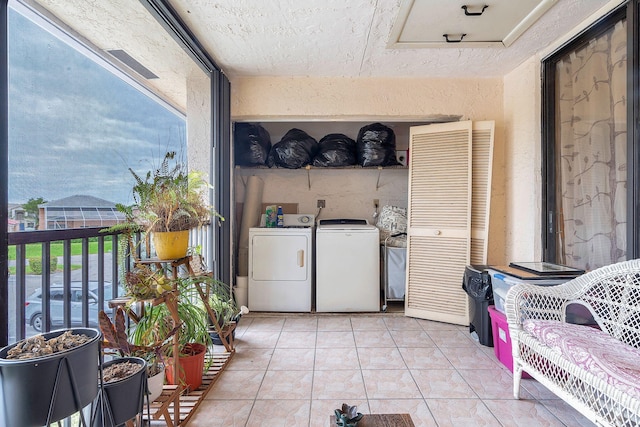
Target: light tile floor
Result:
[[294, 370]]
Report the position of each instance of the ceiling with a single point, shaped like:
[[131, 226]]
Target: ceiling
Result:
[[317, 38], [349, 38]]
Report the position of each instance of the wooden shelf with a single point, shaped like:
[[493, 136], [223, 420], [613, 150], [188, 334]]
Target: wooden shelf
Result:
[[309, 167]]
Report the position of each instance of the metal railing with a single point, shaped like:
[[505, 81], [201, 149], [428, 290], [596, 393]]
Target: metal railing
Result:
[[61, 291]]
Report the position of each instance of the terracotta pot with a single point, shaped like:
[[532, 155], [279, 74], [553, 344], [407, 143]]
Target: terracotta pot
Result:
[[171, 244], [191, 366]]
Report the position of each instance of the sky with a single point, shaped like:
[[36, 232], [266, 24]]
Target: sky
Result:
[[75, 128]]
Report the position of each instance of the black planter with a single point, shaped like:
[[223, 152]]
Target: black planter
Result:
[[123, 399], [43, 390], [215, 338]]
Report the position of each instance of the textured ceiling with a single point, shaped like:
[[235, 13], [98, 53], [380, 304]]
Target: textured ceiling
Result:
[[348, 38], [319, 38]]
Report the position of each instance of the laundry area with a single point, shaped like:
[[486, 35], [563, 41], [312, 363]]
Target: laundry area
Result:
[[371, 188], [332, 252]]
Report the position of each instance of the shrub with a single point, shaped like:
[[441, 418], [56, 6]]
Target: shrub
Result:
[[35, 265]]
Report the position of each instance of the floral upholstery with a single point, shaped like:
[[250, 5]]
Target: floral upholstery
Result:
[[602, 355]]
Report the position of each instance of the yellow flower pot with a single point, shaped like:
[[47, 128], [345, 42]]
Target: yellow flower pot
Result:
[[171, 244]]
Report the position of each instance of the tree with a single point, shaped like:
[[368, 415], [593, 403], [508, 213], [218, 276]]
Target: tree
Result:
[[31, 207]]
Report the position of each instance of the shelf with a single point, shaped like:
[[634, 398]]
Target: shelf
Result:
[[309, 167]]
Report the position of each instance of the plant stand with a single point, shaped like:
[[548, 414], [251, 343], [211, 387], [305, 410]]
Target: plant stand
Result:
[[161, 406], [225, 333], [170, 299]]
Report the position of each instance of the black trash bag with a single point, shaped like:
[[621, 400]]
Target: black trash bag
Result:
[[295, 150], [376, 146], [335, 149], [252, 144], [477, 286]]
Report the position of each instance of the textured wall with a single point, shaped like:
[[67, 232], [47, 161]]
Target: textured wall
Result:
[[199, 122], [299, 97], [523, 171]]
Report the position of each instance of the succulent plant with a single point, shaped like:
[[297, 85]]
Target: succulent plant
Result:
[[348, 416]]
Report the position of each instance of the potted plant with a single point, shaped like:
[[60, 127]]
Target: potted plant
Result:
[[123, 388], [225, 309], [115, 337], [168, 202], [48, 377], [192, 333]]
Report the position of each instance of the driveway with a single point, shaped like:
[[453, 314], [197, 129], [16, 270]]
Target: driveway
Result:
[[32, 282]]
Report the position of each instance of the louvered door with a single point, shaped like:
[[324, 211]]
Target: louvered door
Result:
[[439, 224], [482, 161]]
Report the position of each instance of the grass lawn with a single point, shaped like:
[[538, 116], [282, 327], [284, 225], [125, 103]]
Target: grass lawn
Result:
[[34, 250]]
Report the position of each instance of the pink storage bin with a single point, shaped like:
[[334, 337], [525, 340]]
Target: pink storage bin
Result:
[[501, 339]]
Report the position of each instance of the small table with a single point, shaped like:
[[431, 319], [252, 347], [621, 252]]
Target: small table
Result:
[[382, 420]]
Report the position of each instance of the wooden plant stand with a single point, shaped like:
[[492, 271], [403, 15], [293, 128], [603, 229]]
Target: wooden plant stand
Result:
[[167, 405]]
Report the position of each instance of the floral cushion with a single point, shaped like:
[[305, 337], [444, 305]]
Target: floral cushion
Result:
[[597, 352]]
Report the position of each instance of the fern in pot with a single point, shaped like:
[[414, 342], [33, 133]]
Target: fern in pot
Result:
[[168, 201]]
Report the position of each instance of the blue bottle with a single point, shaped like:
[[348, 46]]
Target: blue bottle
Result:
[[280, 218]]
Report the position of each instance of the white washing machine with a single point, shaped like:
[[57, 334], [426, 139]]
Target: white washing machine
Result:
[[281, 265], [347, 266]]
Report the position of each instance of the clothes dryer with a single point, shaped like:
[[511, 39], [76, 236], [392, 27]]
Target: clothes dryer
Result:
[[281, 265]]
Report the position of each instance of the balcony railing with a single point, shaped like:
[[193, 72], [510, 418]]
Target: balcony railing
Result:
[[70, 290]]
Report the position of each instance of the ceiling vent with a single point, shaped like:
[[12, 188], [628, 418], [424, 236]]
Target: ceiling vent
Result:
[[128, 60], [447, 23]]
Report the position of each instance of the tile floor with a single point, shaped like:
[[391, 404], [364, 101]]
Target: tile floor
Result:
[[294, 370]]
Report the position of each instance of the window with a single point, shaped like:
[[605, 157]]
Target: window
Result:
[[586, 156], [76, 125]]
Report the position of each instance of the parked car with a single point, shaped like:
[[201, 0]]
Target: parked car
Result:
[[33, 305]]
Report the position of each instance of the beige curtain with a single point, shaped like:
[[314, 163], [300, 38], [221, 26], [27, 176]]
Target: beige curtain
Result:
[[591, 157]]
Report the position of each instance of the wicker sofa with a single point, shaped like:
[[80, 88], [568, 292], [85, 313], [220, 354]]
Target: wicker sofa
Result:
[[597, 371]]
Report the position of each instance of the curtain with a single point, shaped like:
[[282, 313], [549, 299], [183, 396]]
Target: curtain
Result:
[[591, 152]]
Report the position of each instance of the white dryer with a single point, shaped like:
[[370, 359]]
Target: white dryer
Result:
[[281, 265], [347, 266]]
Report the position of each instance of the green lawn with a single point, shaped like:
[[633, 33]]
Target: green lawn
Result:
[[34, 250]]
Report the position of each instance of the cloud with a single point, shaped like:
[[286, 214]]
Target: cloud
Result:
[[75, 128]]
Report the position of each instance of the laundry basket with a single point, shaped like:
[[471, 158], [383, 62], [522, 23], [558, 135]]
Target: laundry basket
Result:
[[394, 256]]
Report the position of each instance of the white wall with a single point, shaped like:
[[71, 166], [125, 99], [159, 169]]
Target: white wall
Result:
[[199, 121], [350, 193], [523, 171], [373, 98]]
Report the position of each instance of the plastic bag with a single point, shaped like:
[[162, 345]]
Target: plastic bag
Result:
[[392, 222], [252, 144], [295, 149], [335, 149], [477, 286], [376, 146]]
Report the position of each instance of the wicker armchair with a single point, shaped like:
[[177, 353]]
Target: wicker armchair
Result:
[[597, 371]]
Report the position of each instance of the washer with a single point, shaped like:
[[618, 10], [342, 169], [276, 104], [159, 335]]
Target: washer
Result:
[[347, 266], [281, 265]]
